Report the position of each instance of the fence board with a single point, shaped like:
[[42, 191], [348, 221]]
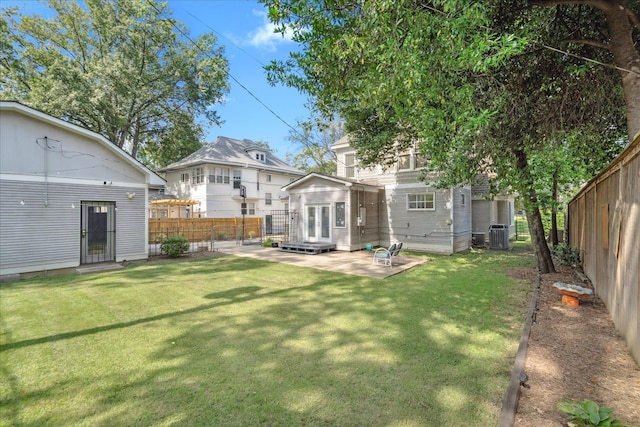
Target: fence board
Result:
[[200, 228], [604, 223]]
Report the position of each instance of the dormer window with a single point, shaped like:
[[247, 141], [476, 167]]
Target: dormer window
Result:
[[260, 157]]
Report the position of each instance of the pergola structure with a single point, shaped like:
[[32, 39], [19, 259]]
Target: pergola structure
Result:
[[165, 205]]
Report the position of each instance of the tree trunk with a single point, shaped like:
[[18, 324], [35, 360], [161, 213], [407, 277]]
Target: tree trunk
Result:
[[534, 219], [554, 212], [540, 247], [627, 57]]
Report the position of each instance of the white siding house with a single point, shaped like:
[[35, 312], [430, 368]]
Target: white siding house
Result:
[[220, 173], [64, 192], [384, 205]]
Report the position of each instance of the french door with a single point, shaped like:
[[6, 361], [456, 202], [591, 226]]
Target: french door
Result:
[[98, 232], [318, 223]]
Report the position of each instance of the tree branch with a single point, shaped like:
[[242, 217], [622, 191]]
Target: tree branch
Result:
[[633, 17], [598, 4], [589, 42]]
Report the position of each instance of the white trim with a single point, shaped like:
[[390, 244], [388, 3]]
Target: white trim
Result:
[[421, 209], [59, 180], [417, 186], [335, 214]]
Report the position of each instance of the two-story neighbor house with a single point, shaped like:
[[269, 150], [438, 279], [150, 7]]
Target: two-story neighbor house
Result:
[[384, 204], [228, 172]]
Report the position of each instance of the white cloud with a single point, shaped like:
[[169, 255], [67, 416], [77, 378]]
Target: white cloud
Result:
[[264, 36]]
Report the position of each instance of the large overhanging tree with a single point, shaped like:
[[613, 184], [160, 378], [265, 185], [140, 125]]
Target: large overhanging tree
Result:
[[557, 117], [122, 68], [437, 72]]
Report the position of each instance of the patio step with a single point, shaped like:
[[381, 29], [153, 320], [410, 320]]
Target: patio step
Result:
[[307, 248]]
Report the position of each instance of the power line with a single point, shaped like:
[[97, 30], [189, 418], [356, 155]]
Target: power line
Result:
[[194, 43]]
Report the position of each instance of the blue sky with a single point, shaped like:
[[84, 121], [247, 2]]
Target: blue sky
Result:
[[243, 28], [245, 31]]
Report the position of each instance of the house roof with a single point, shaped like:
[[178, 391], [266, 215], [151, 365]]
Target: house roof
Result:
[[152, 178], [344, 181], [232, 152], [341, 143]]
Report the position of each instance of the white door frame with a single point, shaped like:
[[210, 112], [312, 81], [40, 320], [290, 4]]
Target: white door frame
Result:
[[317, 223]]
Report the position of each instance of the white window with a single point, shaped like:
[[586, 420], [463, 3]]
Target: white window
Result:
[[197, 176], [350, 165], [341, 214], [421, 202], [237, 178], [421, 161], [222, 175], [404, 161], [267, 198], [268, 178], [184, 177], [260, 157], [251, 208]]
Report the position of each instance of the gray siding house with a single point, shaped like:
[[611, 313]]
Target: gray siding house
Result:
[[388, 204], [64, 192]]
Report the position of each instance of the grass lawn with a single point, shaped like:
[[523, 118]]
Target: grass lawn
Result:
[[240, 342]]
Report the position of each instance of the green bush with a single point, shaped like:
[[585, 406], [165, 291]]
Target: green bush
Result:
[[175, 246], [568, 255], [588, 414], [267, 243]]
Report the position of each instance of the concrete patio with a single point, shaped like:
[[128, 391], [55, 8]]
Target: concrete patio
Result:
[[356, 263]]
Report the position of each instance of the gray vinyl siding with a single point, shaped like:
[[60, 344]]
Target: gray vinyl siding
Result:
[[420, 230], [37, 237], [461, 215], [481, 216], [369, 232]]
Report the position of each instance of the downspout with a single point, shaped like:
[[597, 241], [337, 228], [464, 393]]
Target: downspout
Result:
[[452, 198], [46, 171]]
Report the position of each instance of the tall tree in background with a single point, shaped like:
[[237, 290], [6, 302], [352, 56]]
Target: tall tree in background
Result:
[[121, 68], [461, 79], [315, 136]]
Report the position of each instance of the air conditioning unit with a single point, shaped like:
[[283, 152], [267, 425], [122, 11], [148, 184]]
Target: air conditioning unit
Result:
[[499, 236]]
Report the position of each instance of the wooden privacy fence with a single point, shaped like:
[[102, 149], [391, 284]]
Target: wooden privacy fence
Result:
[[604, 224], [204, 229]]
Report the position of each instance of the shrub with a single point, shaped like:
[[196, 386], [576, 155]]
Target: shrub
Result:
[[267, 243], [588, 414], [568, 255], [175, 246]]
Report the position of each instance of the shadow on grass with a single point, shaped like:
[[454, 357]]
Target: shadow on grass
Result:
[[323, 349]]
